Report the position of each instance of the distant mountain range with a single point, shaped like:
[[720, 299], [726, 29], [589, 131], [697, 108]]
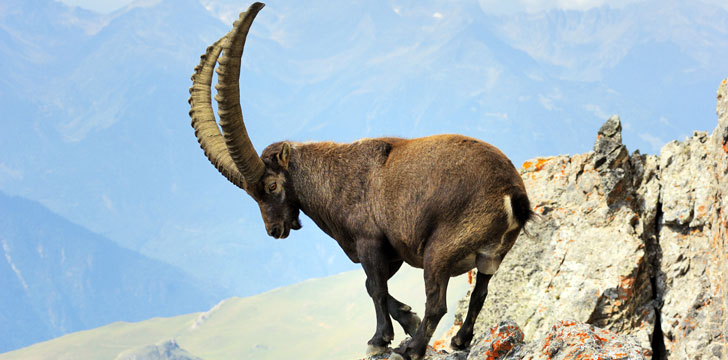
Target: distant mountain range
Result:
[[329, 318], [94, 121], [95, 127], [57, 277]]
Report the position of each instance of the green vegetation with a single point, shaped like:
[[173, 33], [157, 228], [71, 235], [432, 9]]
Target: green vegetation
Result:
[[331, 317]]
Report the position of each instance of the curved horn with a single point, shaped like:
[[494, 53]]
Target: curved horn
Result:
[[228, 99], [203, 119]]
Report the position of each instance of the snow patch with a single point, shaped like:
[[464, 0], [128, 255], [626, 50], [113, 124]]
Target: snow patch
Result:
[[6, 250]]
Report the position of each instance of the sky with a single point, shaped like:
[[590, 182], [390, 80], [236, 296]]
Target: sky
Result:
[[533, 78], [105, 6], [488, 6]]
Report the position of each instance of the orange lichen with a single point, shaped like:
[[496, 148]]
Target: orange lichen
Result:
[[540, 163], [500, 345], [438, 345], [435, 350], [538, 166]]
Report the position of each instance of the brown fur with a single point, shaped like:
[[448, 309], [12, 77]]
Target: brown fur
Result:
[[436, 203]]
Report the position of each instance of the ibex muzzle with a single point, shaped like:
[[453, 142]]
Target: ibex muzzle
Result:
[[445, 203]]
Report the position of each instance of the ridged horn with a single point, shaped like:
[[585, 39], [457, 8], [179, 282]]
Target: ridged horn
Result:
[[203, 119], [228, 99]]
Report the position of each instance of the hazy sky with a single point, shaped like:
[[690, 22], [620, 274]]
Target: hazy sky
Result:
[[494, 6], [102, 6], [529, 81]]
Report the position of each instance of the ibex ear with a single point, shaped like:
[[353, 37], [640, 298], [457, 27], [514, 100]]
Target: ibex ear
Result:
[[283, 155]]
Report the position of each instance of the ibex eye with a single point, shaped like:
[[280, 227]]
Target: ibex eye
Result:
[[272, 187]]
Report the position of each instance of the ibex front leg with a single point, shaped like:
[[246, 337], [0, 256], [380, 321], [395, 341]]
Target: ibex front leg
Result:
[[400, 311], [375, 262]]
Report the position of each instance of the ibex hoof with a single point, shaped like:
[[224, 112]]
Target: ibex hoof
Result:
[[373, 350]]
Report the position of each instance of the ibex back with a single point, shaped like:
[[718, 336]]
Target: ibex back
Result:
[[445, 203]]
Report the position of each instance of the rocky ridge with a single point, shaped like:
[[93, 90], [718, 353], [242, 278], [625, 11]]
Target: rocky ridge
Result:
[[630, 248]]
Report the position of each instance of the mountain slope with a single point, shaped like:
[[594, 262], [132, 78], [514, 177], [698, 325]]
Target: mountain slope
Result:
[[58, 277], [329, 318]]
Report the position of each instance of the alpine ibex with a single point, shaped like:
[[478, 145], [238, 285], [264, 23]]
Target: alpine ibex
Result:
[[445, 203]]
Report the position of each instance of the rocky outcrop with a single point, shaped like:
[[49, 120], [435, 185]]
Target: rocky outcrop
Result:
[[165, 350], [589, 258], [692, 268], [564, 341], [634, 244]]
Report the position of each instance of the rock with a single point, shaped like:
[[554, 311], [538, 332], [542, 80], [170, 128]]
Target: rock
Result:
[[608, 149], [164, 350], [430, 354], [565, 340], [571, 340], [588, 258], [693, 266], [498, 342]]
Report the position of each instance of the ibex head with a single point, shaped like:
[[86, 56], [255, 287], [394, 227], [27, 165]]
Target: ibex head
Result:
[[265, 179]]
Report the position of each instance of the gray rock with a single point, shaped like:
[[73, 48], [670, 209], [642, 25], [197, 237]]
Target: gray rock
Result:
[[565, 340], [693, 266], [571, 340], [430, 353], [498, 342], [164, 350], [609, 153], [587, 259]]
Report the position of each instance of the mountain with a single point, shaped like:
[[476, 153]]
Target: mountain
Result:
[[115, 116], [331, 317], [95, 124], [627, 260], [57, 277]]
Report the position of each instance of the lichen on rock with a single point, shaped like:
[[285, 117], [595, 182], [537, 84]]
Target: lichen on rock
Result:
[[587, 259]]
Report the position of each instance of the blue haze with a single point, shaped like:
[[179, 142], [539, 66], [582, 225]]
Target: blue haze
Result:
[[94, 121]]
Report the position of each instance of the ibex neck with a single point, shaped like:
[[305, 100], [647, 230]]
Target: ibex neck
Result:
[[316, 171], [332, 183]]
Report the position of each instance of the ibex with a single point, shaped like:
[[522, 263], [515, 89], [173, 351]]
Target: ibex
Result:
[[445, 203]]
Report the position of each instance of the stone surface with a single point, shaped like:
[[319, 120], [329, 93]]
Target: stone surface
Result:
[[565, 340], [587, 258], [498, 342], [430, 354], [165, 350], [693, 264], [571, 340]]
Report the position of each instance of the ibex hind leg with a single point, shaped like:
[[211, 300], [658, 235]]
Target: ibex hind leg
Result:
[[464, 336], [436, 280], [487, 266]]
